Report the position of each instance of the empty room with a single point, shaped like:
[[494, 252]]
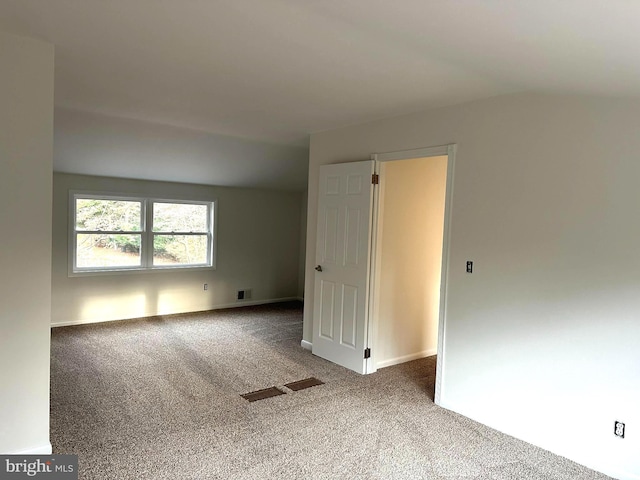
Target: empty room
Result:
[[304, 239]]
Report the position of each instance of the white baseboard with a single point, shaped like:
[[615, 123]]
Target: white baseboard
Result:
[[39, 450], [306, 345], [238, 304], [87, 322], [250, 303], [406, 358], [609, 470]]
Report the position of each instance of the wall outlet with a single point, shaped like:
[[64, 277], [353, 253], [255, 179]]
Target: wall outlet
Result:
[[618, 429], [244, 294], [205, 286]]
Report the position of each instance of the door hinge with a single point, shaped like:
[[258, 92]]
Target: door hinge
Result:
[[375, 179], [367, 353]]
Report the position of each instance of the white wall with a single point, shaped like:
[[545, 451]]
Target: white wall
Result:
[[303, 240], [541, 341], [257, 248], [26, 143], [412, 194]]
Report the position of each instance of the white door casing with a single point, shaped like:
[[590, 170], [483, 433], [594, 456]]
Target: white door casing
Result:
[[340, 316]]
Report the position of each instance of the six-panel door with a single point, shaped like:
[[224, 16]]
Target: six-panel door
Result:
[[345, 200]]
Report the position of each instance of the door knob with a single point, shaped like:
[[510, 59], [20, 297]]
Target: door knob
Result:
[[319, 268]]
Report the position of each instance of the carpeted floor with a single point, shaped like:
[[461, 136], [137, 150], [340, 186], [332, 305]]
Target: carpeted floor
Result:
[[159, 398]]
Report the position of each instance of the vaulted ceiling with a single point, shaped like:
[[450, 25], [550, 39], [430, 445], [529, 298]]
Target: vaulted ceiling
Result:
[[277, 70]]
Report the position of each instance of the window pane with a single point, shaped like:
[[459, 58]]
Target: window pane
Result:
[[179, 217], [94, 250], [180, 250], [110, 215]]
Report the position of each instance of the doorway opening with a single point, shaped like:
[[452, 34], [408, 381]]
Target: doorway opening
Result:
[[410, 247], [406, 291]]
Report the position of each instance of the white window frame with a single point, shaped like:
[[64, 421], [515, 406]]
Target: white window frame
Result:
[[146, 235]]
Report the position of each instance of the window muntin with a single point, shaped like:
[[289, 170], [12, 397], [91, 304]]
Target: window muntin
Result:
[[112, 233]]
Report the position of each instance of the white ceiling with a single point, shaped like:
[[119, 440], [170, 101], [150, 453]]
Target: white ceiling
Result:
[[276, 70]]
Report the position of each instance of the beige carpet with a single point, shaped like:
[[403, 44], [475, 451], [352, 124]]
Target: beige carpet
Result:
[[159, 398]]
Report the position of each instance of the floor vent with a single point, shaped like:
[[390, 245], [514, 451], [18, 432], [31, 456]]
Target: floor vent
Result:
[[262, 394], [302, 384]]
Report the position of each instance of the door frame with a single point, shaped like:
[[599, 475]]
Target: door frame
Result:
[[444, 150]]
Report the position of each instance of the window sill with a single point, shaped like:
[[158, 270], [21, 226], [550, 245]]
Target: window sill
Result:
[[132, 271]]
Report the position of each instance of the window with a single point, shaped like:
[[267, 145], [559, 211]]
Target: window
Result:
[[111, 233], [180, 233]]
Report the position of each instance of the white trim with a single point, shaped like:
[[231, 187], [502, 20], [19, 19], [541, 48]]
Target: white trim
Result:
[[143, 271], [611, 471], [444, 278], [414, 153], [306, 345], [44, 449], [215, 307], [407, 358], [375, 258], [146, 234], [368, 365]]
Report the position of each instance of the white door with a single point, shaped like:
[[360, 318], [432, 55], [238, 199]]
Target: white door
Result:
[[341, 296]]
